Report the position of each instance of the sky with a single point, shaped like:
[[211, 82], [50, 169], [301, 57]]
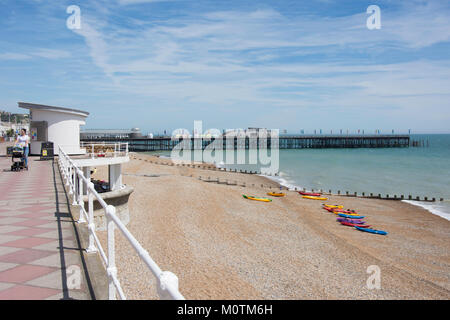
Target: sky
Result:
[[289, 65]]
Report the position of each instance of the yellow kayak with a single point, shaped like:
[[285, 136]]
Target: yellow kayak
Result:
[[349, 214], [314, 198], [275, 194], [333, 206], [257, 199]]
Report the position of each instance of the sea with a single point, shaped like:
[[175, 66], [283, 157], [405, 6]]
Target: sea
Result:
[[416, 171]]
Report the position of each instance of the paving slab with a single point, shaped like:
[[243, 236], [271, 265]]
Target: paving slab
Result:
[[38, 251]]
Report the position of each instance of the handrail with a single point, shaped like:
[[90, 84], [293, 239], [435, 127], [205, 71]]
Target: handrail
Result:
[[114, 148], [75, 181]]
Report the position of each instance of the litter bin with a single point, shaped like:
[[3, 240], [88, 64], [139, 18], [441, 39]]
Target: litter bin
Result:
[[47, 151], [9, 151]]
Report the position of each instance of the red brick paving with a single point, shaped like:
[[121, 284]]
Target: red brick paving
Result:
[[28, 242], [30, 223], [27, 199], [25, 256], [24, 273], [21, 292], [29, 232]]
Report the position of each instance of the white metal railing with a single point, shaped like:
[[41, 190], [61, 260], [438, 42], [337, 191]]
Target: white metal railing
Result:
[[76, 181], [108, 149]]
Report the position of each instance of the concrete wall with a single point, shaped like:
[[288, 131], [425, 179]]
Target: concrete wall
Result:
[[63, 130]]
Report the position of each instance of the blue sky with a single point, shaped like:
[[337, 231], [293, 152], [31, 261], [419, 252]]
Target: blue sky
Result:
[[233, 64]]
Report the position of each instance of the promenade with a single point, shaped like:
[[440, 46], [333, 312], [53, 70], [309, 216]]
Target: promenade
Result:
[[40, 256]]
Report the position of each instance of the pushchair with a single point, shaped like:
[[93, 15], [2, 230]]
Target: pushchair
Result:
[[18, 159]]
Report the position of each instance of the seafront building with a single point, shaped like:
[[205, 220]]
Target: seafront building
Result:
[[58, 125]]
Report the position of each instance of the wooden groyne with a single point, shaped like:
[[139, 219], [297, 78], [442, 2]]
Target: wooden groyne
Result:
[[283, 142]]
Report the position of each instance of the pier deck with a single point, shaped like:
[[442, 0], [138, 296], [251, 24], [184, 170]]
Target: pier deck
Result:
[[284, 142], [39, 247]]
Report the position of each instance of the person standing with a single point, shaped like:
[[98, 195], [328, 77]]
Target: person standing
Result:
[[24, 141]]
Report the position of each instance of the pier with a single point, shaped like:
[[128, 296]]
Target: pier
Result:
[[284, 142]]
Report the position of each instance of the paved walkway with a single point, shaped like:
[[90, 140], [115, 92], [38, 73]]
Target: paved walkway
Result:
[[40, 256]]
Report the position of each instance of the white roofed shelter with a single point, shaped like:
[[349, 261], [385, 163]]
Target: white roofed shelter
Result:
[[55, 124]]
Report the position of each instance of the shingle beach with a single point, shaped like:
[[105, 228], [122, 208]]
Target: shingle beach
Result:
[[222, 246]]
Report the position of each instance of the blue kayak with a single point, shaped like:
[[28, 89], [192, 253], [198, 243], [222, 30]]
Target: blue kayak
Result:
[[350, 217], [372, 231]]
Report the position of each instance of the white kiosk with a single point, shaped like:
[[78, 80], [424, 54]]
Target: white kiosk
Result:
[[55, 124], [62, 127]]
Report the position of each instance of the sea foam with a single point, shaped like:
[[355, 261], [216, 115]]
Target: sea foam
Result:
[[441, 209]]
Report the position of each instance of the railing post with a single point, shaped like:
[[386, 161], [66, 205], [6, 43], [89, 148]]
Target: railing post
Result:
[[81, 218], [91, 226], [63, 168], [69, 178], [165, 280], [74, 186], [111, 269], [74, 180]]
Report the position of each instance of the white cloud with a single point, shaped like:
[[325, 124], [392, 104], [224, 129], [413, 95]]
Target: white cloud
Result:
[[51, 53], [98, 47], [35, 52], [14, 56], [130, 2]]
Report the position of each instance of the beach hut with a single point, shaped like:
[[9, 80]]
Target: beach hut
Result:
[[55, 124]]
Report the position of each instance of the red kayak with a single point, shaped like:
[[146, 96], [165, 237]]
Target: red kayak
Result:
[[354, 224], [340, 210], [309, 194], [344, 211]]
